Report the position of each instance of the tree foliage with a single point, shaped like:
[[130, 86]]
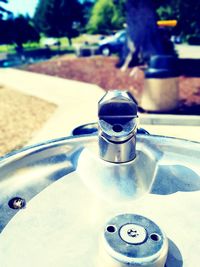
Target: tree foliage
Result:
[[87, 6], [59, 18], [185, 11], [17, 31], [2, 9], [107, 15]]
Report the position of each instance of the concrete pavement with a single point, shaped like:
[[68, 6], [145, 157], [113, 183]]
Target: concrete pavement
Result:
[[77, 104], [76, 101], [188, 51]]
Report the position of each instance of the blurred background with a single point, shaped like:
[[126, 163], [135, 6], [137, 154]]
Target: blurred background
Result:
[[65, 24], [88, 41]]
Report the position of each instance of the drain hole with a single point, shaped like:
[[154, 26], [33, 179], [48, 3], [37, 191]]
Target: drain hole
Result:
[[117, 128], [111, 229], [155, 237], [17, 203]]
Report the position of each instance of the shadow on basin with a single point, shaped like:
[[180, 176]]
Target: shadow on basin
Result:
[[174, 258], [173, 178]]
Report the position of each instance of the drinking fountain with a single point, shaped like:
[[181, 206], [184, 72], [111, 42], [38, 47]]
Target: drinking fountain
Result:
[[115, 197]]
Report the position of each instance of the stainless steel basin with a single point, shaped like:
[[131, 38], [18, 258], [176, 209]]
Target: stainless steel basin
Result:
[[70, 193]]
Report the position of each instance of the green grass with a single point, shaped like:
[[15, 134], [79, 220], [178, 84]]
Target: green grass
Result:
[[33, 45], [80, 39], [86, 38], [7, 49], [11, 48]]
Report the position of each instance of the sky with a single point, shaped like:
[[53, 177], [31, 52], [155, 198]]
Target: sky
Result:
[[21, 6]]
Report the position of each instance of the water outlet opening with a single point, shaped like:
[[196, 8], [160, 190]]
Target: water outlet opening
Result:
[[117, 128]]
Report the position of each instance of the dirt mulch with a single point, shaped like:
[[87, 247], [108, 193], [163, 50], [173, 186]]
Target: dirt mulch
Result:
[[97, 70], [20, 117], [102, 71]]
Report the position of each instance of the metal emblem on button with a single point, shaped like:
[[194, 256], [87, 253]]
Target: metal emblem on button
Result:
[[133, 234]]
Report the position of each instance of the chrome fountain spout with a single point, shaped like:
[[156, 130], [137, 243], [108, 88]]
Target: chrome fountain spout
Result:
[[117, 125]]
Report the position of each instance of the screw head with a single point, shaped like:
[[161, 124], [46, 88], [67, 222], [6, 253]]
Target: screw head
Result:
[[133, 234], [17, 203]]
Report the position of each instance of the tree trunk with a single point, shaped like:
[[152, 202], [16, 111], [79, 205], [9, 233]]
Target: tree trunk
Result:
[[19, 47], [143, 36], [142, 27], [69, 40]]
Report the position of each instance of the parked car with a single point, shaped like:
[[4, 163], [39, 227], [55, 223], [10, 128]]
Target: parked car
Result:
[[112, 44]]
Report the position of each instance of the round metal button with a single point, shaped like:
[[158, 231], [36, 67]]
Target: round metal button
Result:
[[133, 234]]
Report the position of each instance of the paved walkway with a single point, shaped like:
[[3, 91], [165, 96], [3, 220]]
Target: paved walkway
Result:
[[76, 101], [188, 51], [77, 104]]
